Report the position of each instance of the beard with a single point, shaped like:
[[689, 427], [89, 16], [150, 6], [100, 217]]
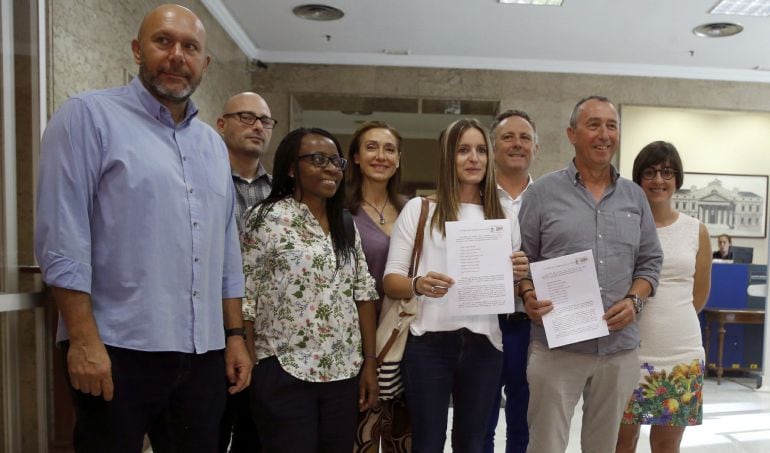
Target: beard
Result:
[[155, 86]]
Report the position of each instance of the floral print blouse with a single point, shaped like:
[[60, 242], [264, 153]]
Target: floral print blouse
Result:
[[302, 306]]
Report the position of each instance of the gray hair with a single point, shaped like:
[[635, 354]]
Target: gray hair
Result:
[[507, 114], [576, 109]]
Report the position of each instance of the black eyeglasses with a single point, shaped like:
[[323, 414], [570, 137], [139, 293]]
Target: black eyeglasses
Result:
[[321, 160], [249, 118], [665, 173]]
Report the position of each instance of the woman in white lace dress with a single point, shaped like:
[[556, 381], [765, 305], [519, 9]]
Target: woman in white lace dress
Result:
[[671, 354]]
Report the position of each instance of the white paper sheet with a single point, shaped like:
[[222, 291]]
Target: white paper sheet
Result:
[[570, 282], [479, 261]]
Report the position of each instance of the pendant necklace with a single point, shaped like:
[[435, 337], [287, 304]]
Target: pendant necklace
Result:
[[380, 212]]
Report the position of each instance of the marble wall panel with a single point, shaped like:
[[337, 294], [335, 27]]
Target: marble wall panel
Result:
[[548, 97], [90, 48]]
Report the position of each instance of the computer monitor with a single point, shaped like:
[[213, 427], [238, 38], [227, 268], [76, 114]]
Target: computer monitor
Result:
[[742, 254]]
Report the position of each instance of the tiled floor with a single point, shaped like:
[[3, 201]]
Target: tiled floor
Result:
[[736, 420]]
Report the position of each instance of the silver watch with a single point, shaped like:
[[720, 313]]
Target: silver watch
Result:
[[638, 302]]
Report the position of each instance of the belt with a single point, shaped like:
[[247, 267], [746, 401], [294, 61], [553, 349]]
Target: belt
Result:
[[518, 316]]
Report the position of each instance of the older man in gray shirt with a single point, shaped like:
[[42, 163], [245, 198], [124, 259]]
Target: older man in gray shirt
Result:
[[588, 206]]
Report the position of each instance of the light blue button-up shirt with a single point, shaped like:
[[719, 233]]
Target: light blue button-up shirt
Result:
[[139, 213]]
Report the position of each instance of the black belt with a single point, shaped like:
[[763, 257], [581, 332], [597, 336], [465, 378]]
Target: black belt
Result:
[[518, 316]]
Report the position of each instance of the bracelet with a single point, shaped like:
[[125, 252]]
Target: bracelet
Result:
[[370, 356], [523, 293], [525, 278], [414, 286]]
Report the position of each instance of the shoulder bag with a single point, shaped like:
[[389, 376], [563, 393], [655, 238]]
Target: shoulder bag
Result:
[[394, 324]]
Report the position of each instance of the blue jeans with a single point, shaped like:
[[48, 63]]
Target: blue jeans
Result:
[[514, 379], [460, 364]]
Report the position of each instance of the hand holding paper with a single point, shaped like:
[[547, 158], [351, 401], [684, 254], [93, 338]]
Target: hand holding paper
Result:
[[536, 308], [570, 282], [434, 284], [620, 315], [479, 257], [520, 264]]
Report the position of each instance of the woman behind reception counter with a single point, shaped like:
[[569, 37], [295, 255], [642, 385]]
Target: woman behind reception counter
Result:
[[724, 252]]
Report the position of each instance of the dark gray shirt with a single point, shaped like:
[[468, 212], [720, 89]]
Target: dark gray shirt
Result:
[[560, 216], [249, 193]]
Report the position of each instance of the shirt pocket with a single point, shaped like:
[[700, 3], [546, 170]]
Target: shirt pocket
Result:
[[625, 231]]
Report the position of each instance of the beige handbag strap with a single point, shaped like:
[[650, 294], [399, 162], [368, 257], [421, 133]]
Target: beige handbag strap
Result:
[[416, 253], [419, 235]]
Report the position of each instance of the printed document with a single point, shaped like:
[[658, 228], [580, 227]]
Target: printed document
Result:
[[570, 282], [479, 261]]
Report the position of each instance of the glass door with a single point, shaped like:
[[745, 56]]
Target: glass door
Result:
[[23, 369]]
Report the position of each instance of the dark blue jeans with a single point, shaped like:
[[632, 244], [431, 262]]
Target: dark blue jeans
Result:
[[460, 364], [514, 379]]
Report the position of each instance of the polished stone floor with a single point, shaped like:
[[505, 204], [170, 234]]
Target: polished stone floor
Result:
[[736, 420]]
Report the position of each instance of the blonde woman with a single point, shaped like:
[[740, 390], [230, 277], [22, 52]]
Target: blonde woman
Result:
[[449, 356]]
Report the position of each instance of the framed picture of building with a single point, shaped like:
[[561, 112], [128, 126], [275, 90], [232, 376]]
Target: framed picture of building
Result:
[[730, 204]]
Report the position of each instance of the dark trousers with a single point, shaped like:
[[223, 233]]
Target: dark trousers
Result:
[[460, 364], [238, 425], [296, 416], [514, 380], [177, 398]]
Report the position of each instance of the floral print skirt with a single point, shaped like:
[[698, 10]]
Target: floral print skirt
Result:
[[668, 398]]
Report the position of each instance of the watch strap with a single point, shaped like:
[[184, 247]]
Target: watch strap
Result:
[[240, 331], [638, 302]]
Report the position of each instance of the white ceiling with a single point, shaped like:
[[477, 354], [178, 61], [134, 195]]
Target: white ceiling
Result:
[[619, 37]]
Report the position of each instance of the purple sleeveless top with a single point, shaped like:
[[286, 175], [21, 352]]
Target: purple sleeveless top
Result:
[[375, 244]]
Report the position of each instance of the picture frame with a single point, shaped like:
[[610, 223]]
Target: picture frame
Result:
[[726, 203]]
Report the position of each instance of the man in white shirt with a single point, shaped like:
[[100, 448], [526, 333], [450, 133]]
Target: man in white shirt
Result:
[[515, 145]]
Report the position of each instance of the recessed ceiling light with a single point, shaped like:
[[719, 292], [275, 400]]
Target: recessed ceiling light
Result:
[[534, 2], [717, 30], [318, 12], [742, 8]]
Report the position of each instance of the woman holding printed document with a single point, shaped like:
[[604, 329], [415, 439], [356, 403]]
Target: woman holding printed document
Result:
[[445, 355]]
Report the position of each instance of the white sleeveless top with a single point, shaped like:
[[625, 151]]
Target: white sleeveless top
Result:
[[668, 325]]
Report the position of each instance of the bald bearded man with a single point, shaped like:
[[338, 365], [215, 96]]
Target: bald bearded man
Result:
[[137, 236]]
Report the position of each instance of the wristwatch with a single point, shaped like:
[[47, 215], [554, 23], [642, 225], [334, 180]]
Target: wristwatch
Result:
[[235, 331], [638, 302]]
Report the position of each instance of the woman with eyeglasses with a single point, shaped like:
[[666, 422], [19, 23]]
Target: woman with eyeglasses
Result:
[[372, 185], [449, 356], [311, 298], [669, 396]]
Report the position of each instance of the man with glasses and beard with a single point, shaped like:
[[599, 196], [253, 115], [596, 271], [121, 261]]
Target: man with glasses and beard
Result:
[[137, 237]]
